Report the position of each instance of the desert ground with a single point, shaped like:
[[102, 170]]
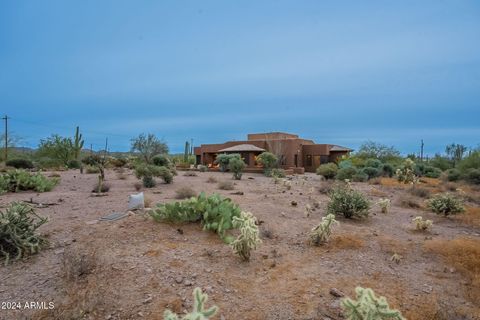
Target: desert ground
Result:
[[135, 268]]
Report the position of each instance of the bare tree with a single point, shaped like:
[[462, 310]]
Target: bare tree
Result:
[[148, 146]]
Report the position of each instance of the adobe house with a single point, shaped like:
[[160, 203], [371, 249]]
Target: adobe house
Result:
[[293, 152]]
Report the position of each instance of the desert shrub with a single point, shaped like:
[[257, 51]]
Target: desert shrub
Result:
[[20, 180], [101, 187], [161, 160], [346, 173], [442, 163], [118, 162], [372, 172], [325, 187], [19, 163], [215, 212], [202, 168], [408, 202], [348, 202], [373, 163], [60, 149], [473, 176], [18, 236], [432, 172], [327, 170], [248, 238], [384, 205], [268, 160], [91, 170], [277, 173], [322, 232], [345, 164], [406, 173], [199, 312], [211, 179], [148, 146], [138, 185], [421, 224], [226, 185], [472, 161], [453, 174], [446, 204], [360, 177], [74, 164], [236, 165], [184, 193], [419, 191], [224, 159], [147, 172], [78, 263], [388, 170], [190, 174], [369, 307]]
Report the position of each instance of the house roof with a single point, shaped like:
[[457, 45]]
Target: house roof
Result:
[[242, 148], [339, 148]]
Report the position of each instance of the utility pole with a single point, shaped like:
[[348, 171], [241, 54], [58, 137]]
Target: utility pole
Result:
[[6, 136], [421, 151]]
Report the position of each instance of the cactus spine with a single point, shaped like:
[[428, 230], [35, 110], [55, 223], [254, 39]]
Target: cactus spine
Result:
[[369, 307], [78, 143], [198, 313], [321, 233], [248, 239]]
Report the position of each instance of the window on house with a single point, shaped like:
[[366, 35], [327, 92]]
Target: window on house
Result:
[[308, 161], [324, 159]]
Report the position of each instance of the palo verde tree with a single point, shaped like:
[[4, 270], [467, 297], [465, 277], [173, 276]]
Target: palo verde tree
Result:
[[57, 148], [455, 152], [148, 146]]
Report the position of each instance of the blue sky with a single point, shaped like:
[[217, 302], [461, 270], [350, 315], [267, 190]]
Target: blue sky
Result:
[[339, 72]]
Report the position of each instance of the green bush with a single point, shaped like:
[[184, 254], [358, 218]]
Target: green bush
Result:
[[348, 202], [74, 164], [236, 165], [118, 162], [19, 163], [453, 174], [327, 170], [473, 176], [224, 159], [91, 170], [360, 177], [18, 226], [268, 160], [215, 212], [277, 173], [161, 160], [202, 168], [147, 172], [432, 172], [388, 170], [20, 180], [441, 163], [472, 161], [371, 172], [346, 173], [345, 164], [373, 163], [446, 204]]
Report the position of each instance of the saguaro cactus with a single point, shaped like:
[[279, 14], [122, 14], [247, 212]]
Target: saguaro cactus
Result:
[[77, 143], [198, 313]]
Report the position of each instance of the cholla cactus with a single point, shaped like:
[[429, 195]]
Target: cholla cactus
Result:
[[421, 224], [446, 204], [198, 313], [384, 205], [287, 184], [406, 173], [248, 239], [321, 233], [369, 307], [396, 258], [18, 237]]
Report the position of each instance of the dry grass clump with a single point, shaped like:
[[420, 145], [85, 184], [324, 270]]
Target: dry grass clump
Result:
[[190, 174], [378, 193], [325, 187], [392, 246], [375, 181], [105, 187], [450, 187], [147, 201], [212, 179], [121, 174], [470, 217], [346, 241], [78, 263], [463, 253], [392, 182], [226, 185], [407, 202], [138, 186], [419, 191], [54, 175], [185, 193]]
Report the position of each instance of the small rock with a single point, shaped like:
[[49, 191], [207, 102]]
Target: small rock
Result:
[[294, 203], [148, 300], [336, 293], [140, 314], [179, 279], [188, 283]]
